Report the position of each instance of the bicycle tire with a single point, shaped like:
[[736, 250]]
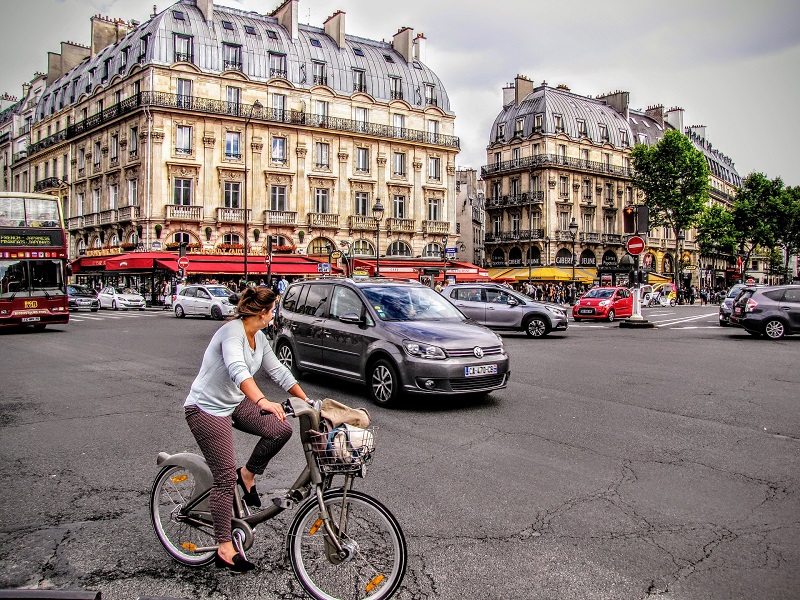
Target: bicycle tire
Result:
[[172, 487], [377, 563]]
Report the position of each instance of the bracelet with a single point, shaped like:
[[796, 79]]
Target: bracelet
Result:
[[260, 399]]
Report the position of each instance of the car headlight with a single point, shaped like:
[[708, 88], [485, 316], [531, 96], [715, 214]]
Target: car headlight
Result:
[[556, 311], [421, 350], [604, 302]]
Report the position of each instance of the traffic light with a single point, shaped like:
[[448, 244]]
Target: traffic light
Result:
[[642, 219], [629, 219], [269, 245], [182, 249]]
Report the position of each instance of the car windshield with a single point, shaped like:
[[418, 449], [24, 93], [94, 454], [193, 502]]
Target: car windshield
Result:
[[734, 291], [599, 293], [219, 292], [80, 289], [126, 290], [407, 303]]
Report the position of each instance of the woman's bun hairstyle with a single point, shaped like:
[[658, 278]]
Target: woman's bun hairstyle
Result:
[[255, 299]]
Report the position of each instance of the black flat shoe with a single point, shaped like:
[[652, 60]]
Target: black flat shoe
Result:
[[240, 565], [251, 497]]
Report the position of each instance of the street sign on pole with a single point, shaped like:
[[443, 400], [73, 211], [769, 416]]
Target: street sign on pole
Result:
[[323, 267], [635, 245], [183, 262]]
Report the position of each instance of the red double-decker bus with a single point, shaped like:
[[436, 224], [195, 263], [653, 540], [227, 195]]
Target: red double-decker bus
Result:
[[33, 261]]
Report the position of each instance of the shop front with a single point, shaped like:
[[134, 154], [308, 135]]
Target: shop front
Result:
[[427, 271]]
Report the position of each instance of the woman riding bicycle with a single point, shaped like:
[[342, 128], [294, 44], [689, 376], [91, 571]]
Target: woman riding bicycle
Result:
[[225, 394]]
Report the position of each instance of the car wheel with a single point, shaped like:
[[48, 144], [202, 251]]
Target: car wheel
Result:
[[179, 312], [774, 329], [611, 315], [94, 310], [216, 313], [672, 302], [536, 327], [114, 305], [723, 323], [141, 309], [287, 358], [383, 383]]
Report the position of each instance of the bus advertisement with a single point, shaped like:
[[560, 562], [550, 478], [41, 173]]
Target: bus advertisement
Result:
[[33, 261]]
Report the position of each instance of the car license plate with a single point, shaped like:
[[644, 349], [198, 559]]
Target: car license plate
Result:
[[480, 370], [738, 310], [31, 319], [585, 311]]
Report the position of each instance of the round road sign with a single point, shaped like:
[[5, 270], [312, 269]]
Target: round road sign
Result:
[[635, 245], [183, 262]]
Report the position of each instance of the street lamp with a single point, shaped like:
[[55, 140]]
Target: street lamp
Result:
[[679, 265], [573, 232], [256, 106], [546, 251], [377, 213]]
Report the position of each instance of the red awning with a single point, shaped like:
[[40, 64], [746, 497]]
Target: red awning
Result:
[[214, 264], [86, 264]]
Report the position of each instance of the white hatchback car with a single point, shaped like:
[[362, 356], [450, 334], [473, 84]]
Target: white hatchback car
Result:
[[116, 298], [208, 300]]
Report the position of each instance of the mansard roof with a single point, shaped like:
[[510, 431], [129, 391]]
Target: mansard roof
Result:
[[208, 37]]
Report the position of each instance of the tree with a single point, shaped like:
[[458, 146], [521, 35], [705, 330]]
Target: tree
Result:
[[788, 226], [756, 212], [673, 175], [716, 234]]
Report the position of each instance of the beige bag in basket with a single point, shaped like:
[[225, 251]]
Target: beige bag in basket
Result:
[[338, 414]]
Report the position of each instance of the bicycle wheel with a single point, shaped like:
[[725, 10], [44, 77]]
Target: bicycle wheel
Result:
[[173, 486], [376, 561]]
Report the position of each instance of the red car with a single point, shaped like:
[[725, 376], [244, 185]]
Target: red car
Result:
[[604, 303]]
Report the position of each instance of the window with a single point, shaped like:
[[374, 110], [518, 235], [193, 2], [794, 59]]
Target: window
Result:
[[133, 192], [231, 238], [318, 73], [321, 200], [537, 123], [362, 159], [563, 220], [609, 191], [250, 30], [588, 224], [277, 65], [114, 150], [388, 58], [399, 207], [183, 48], [182, 195], [515, 187], [133, 141], [501, 131], [399, 163], [563, 186], [362, 118], [80, 201], [179, 16], [362, 204], [585, 155], [96, 200], [358, 52], [279, 104], [227, 25], [277, 197], [232, 148], [271, 34], [608, 224], [232, 56], [99, 107], [536, 183], [359, 80], [518, 126], [587, 189], [183, 139], [581, 127], [316, 43], [433, 209], [562, 153], [321, 108], [81, 159], [96, 154], [626, 140], [607, 159], [559, 123], [234, 96], [279, 150], [398, 248], [515, 156], [323, 155], [113, 196], [430, 95], [433, 130], [363, 248], [231, 194], [345, 301], [117, 98], [184, 93], [399, 122], [396, 88], [603, 132], [434, 168]]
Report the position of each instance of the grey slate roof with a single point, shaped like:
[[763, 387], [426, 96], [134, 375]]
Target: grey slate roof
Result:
[[208, 39]]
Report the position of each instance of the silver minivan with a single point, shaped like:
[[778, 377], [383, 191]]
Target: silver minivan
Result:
[[396, 336], [207, 300]]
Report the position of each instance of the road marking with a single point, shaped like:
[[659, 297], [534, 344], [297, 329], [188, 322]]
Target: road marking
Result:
[[670, 322]]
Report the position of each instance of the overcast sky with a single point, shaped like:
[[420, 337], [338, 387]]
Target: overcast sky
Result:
[[733, 65]]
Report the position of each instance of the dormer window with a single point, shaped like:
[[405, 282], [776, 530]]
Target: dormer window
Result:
[[559, 122], [603, 132], [178, 15], [227, 25], [537, 123], [358, 52], [318, 72], [396, 88], [430, 95], [316, 43], [183, 48], [501, 131], [271, 34], [388, 58], [518, 126], [250, 30], [581, 127]]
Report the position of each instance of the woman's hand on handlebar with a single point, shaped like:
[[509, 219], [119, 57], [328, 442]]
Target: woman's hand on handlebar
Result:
[[272, 407]]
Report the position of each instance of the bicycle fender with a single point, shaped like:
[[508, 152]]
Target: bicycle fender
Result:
[[192, 462]]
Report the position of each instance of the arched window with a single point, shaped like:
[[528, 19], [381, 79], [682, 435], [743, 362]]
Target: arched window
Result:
[[398, 248], [134, 238], [320, 246], [96, 243], [498, 258], [668, 264], [533, 256], [113, 241], [432, 250], [80, 248], [515, 257], [588, 259], [610, 259], [564, 258], [182, 236], [228, 238], [363, 248]]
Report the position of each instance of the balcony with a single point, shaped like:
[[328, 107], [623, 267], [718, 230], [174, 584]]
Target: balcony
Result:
[[74, 223], [50, 183], [589, 237], [396, 94], [362, 223], [404, 225], [181, 212], [184, 57], [360, 87], [127, 213], [549, 160], [563, 235], [280, 217], [435, 227], [611, 238], [320, 80], [91, 220], [515, 200], [232, 215], [233, 65], [108, 216], [278, 73], [323, 220]]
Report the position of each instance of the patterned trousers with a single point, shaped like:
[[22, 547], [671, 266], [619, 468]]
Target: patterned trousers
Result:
[[214, 435]]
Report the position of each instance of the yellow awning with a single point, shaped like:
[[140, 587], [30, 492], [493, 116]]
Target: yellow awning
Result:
[[500, 273], [544, 274], [654, 278]]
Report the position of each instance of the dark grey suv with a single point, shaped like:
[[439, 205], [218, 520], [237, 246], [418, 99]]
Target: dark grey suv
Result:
[[394, 336], [772, 311], [499, 307]]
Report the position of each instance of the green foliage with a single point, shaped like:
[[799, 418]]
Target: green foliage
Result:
[[716, 233], [673, 175], [756, 213]]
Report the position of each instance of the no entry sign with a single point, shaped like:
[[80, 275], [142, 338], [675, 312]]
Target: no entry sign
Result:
[[635, 245], [183, 262]]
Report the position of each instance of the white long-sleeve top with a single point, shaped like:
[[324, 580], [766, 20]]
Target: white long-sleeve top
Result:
[[228, 361]]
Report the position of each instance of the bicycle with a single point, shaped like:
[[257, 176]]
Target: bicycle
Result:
[[341, 544]]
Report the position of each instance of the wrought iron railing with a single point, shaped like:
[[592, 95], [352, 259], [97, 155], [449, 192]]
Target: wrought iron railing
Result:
[[611, 238], [207, 105], [47, 184], [515, 200], [547, 160], [233, 65]]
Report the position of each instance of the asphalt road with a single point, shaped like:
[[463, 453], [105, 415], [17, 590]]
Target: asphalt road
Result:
[[618, 464]]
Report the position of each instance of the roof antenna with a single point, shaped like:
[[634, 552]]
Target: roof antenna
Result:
[[155, 11]]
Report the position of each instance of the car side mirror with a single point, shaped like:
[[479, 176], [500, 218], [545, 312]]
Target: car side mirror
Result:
[[351, 318], [512, 302]]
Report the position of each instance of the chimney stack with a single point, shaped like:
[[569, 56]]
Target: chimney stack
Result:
[[619, 101], [206, 7], [674, 116], [105, 32], [287, 17], [656, 113], [334, 28], [402, 42], [419, 47], [522, 86], [508, 94]]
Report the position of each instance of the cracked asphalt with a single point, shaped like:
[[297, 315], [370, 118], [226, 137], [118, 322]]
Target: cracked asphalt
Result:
[[618, 464]]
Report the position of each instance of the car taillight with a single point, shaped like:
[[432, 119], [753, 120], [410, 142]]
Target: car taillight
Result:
[[751, 304]]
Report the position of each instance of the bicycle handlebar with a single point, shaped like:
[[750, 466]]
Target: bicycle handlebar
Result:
[[288, 407]]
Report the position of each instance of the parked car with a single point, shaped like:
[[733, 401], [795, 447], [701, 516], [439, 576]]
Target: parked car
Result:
[[82, 297], [499, 307], [394, 336], [772, 311], [116, 298], [213, 301], [604, 303], [726, 306]]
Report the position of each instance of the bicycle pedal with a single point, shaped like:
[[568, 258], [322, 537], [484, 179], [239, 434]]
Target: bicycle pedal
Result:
[[282, 500]]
